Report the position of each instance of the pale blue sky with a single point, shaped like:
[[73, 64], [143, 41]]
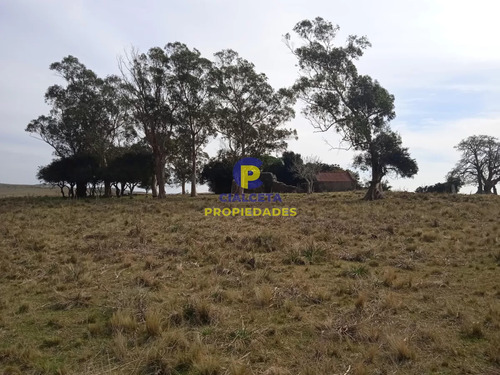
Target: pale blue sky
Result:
[[440, 58]]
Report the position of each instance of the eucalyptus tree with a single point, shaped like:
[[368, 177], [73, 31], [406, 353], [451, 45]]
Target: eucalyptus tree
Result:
[[84, 118], [180, 166], [249, 113], [356, 106], [147, 91], [195, 106]]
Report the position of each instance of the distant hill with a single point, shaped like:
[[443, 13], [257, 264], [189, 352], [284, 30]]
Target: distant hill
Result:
[[9, 190]]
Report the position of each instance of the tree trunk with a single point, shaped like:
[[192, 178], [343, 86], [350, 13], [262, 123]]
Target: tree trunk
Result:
[[495, 190], [81, 189], [479, 184], [71, 191], [154, 190], [243, 155], [375, 190], [160, 176], [107, 189], [183, 186], [193, 172], [62, 190], [193, 186], [488, 186]]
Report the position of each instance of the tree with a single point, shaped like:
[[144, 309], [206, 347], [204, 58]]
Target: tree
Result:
[[329, 167], [290, 158], [356, 106], [282, 168], [55, 174], [386, 155], [180, 166], [218, 174], [119, 132], [84, 118], [147, 90], [250, 112], [192, 97], [77, 170], [479, 163], [452, 185], [308, 170], [131, 167], [84, 169], [269, 162]]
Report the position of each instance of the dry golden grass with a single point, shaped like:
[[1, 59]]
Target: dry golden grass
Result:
[[407, 285], [9, 190]]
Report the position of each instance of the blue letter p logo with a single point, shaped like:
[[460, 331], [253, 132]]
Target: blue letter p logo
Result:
[[246, 173]]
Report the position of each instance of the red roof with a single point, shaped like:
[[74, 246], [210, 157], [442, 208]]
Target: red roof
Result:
[[334, 177]]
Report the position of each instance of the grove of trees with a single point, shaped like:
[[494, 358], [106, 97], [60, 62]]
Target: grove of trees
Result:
[[451, 185], [149, 126]]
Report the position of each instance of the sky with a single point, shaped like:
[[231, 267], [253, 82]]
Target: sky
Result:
[[439, 58]]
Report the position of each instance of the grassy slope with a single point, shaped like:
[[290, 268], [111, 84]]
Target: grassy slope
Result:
[[407, 285]]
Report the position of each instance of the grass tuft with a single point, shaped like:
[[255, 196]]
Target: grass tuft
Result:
[[123, 321], [198, 312], [263, 295], [400, 350], [153, 323]]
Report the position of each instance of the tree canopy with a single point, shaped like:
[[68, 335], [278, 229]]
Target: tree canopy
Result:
[[84, 118], [479, 163], [195, 106], [386, 155], [249, 112]]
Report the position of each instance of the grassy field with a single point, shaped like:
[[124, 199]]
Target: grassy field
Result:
[[407, 285], [9, 190]]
